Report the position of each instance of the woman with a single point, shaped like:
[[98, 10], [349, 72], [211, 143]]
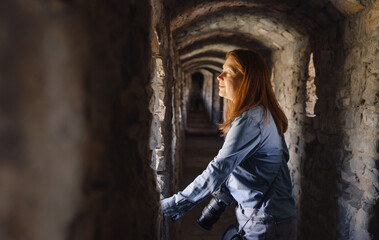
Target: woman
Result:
[[253, 159]]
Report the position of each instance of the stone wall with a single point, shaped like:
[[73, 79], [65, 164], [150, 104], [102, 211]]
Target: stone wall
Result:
[[42, 127], [117, 166], [95, 97], [357, 101], [340, 177], [75, 162], [167, 106], [289, 71]]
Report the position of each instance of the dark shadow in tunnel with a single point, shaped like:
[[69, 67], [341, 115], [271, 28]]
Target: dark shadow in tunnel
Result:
[[373, 227], [196, 101], [198, 121]]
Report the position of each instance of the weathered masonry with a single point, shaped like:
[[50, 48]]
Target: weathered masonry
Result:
[[95, 96]]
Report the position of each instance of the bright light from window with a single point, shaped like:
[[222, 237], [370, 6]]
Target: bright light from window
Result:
[[311, 89]]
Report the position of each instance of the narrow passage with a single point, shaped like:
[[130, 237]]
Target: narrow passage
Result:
[[201, 146]]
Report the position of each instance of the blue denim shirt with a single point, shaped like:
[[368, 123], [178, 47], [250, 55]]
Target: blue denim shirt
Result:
[[252, 155]]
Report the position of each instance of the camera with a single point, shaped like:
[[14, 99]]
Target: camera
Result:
[[213, 211]]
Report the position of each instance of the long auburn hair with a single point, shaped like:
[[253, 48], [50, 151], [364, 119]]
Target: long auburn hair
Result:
[[255, 89]]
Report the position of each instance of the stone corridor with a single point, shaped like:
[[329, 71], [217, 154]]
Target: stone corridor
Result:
[[200, 147], [97, 101]]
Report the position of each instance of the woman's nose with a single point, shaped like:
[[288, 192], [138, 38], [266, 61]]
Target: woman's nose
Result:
[[219, 77]]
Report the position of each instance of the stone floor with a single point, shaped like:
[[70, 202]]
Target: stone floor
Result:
[[202, 145]]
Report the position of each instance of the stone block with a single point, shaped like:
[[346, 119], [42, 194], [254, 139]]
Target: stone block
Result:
[[371, 18], [343, 103], [369, 162], [370, 188], [356, 165], [372, 176], [262, 31], [346, 175], [294, 139], [349, 119], [288, 36], [299, 108], [156, 135], [268, 25], [163, 184], [160, 163], [154, 101], [153, 160], [370, 90], [362, 142], [359, 233], [354, 197], [367, 206], [348, 7], [375, 66], [161, 111], [370, 118]]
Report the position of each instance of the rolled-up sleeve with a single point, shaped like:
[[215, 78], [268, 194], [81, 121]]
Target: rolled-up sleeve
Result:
[[241, 141]]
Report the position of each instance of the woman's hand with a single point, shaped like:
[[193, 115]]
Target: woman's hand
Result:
[[168, 208]]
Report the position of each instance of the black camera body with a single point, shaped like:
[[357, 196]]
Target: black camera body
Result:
[[215, 208]]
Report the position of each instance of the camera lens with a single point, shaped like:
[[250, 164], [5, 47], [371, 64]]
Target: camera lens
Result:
[[211, 213]]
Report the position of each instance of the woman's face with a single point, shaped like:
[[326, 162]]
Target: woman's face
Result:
[[229, 79]]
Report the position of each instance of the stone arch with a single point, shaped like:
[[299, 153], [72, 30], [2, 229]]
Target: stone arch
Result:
[[75, 128], [290, 42]]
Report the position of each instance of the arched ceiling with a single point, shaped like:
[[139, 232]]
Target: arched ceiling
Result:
[[221, 42], [200, 61], [204, 31], [209, 68]]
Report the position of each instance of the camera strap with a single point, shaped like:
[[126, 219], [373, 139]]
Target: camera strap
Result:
[[258, 206]]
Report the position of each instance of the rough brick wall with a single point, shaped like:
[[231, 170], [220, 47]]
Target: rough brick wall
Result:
[[167, 106], [358, 103], [117, 166], [340, 177], [75, 90]]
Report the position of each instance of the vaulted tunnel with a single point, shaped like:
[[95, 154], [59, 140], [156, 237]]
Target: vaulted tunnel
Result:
[[98, 119], [306, 45]]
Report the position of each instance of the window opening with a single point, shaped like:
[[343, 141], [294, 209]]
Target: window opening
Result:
[[311, 89]]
